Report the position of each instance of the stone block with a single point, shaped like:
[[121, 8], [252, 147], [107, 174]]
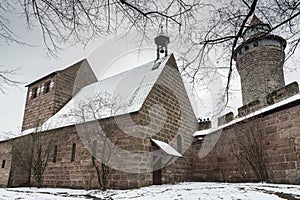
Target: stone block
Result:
[[282, 93], [225, 118], [249, 108]]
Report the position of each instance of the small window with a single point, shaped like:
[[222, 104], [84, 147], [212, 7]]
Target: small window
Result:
[[94, 150], [179, 143], [255, 44], [3, 163], [246, 48], [73, 152], [34, 92], [47, 87], [55, 154]]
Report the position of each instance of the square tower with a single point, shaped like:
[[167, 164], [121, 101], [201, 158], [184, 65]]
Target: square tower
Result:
[[49, 94]]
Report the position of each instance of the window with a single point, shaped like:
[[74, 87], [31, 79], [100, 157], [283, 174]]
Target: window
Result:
[[73, 152], [55, 154], [34, 92], [255, 44], [246, 48], [47, 87], [179, 143], [94, 149], [3, 163]]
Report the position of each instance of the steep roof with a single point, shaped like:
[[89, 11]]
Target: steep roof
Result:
[[120, 94]]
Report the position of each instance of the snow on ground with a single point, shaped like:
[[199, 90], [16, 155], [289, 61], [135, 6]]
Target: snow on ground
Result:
[[190, 191]]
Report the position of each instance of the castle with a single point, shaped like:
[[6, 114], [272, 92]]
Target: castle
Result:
[[140, 127]]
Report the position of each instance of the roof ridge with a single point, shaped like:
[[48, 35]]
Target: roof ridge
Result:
[[134, 68]]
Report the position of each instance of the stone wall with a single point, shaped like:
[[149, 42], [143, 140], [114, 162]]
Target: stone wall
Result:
[[5, 162], [278, 133], [81, 173], [261, 71], [179, 122]]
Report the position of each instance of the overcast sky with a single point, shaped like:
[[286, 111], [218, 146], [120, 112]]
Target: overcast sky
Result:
[[106, 56]]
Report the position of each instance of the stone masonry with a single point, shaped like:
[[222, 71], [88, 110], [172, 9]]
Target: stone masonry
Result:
[[5, 161], [280, 140], [259, 61]]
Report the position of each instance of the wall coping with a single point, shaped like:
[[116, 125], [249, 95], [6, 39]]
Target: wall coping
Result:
[[282, 105]]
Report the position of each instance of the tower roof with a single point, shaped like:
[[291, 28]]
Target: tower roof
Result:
[[255, 21], [256, 28]]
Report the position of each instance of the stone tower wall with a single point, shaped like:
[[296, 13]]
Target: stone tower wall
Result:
[[63, 84], [261, 72]]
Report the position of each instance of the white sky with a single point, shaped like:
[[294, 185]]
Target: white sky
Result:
[[106, 56]]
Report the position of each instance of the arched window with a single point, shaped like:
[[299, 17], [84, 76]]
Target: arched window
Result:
[[179, 143], [73, 152]]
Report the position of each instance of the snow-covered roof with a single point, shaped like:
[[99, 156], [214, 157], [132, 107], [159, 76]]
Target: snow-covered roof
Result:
[[166, 148], [253, 114], [120, 94]]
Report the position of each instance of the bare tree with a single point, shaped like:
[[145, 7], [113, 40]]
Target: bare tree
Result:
[[203, 27], [248, 145], [80, 21], [98, 136], [7, 79], [31, 153]]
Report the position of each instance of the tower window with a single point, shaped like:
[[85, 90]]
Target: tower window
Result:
[[47, 87], [3, 163], [55, 154], [73, 152], [255, 44], [34, 92]]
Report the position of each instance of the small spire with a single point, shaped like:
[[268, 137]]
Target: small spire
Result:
[[161, 42], [255, 21], [161, 29]]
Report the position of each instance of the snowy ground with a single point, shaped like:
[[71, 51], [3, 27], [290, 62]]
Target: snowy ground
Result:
[[190, 191]]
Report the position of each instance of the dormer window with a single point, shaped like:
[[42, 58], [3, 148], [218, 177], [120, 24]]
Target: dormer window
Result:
[[47, 87], [34, 92]]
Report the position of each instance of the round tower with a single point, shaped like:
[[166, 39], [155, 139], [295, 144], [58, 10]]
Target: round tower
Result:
[[259, 61]]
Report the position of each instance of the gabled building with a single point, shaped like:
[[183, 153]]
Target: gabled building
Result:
[[145, 113]]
